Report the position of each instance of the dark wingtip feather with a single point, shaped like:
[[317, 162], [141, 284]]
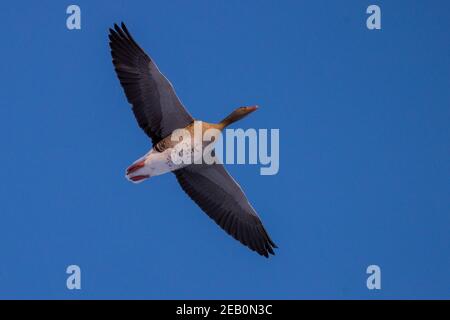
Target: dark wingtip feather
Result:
[[272, 244]]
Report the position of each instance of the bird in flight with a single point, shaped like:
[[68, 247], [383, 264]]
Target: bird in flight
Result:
[[160, 113]]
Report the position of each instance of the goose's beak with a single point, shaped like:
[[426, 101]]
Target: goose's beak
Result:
[[252, 108]]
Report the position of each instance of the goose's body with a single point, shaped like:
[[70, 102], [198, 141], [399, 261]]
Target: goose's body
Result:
[[159, 159], [160, 113]]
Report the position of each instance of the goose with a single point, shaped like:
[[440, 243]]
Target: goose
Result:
[[159, 113]]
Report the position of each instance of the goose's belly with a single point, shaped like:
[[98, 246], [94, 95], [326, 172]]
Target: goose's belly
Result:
[[157, 163]]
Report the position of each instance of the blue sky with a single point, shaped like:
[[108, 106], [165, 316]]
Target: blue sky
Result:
[[364, 150]]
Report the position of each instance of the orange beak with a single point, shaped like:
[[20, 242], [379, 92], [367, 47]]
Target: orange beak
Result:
[[252, 108]]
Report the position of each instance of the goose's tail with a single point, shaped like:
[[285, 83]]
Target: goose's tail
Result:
[[133, 173]]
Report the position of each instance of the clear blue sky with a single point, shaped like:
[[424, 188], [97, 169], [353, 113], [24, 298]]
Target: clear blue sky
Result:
[[364, 127]]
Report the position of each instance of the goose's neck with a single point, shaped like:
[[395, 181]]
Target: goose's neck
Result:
[[236, 115], [228, 120]]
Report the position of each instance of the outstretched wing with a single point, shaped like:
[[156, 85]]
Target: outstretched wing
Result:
[[156, 107], [218, 194]]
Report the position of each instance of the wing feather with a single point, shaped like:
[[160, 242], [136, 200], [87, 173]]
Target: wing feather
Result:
[[156, 106], [222, 199]]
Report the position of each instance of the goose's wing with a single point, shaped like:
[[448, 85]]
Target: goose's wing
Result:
[[156, 107], [218, 194]]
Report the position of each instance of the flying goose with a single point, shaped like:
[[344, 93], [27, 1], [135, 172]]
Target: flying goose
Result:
[[159, 113]]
